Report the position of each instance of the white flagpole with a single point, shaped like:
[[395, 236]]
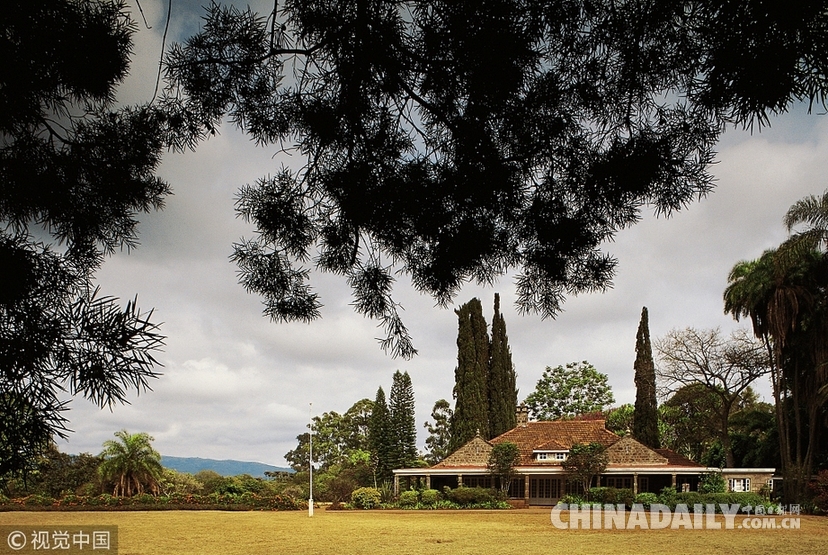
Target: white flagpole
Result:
[[310, 457]]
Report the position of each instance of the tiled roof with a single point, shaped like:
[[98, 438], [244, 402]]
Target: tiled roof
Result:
[[674, 459], [562, 434]]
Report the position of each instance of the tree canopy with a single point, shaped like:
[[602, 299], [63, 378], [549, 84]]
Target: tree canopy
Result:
[[645, 423], [75, 170], [458, 141], [568, 391], [723, 366], [785, 294]]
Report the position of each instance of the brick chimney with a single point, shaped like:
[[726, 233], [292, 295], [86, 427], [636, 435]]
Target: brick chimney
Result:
[[522, 416]]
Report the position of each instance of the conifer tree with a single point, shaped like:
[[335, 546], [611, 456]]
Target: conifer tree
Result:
[[645, 421], [402, 423], [471, 375], [379, 436], [502, 391]]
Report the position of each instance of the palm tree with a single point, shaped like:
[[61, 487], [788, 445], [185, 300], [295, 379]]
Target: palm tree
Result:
[[785, 294], [131, 463]]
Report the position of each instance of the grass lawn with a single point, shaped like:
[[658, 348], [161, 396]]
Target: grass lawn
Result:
[[523, 532]]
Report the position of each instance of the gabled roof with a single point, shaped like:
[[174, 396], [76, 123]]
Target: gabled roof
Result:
[[674, 459], [556, 435]]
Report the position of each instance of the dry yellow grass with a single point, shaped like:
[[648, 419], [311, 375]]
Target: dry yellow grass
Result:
[[522, 532]]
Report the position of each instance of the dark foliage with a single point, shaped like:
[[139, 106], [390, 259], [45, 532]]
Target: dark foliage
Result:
[[502, 389], [645, 422], [454, 141], [471, 391], [74, 174]]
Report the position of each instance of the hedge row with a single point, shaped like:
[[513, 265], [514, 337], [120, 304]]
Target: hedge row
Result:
[[460, 498], [215, 501], [671, 498]]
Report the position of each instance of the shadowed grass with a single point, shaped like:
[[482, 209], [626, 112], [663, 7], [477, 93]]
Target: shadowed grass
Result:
[[518, 532]]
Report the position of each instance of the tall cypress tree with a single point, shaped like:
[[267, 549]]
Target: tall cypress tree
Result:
[[379, 436], [471, 375], [502, 391], [645, 420], [403, 425]]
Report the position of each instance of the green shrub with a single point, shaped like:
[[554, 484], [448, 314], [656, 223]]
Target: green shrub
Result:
[[386, 492], [612, 496], [366, 498], [712, 482], [408, 499], [668, 497], [471, 496], [38, 500], [429, 497], [572, 499], [647, 499], [820, 488]]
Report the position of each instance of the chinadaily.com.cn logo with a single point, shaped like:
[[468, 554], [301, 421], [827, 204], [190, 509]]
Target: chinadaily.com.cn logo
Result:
[[698, 517]]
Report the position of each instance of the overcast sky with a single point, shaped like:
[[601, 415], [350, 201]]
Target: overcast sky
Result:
[[236, 386]]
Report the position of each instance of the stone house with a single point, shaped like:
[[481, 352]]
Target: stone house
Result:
[[543, 446]]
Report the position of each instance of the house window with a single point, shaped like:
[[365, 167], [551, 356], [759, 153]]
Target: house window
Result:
[[739, 484], [542, 456], [560, 456], [619, 482], [477, 481]]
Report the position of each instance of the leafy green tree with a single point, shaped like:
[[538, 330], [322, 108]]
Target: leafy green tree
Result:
[[471, 391], [503, 459], [502, 388], [380, 436], [584, 462], [619, 420], [438, 441], [175, 482], [131, 463], [75, 171], [785, 294], [726, 367], [403, 424], [575, 389], [59, 473], [690, 422], [645, 424], [354, 426], [425, 145]]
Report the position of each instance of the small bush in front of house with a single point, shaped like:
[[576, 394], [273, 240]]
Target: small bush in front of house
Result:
[[647, 499], [408, 499], [572, 499], [712, 482], [612, 496], [430, 497], [668, 497], [366, 498], [464, 496]]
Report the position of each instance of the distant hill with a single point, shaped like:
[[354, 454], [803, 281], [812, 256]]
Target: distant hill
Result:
[[225, 468]]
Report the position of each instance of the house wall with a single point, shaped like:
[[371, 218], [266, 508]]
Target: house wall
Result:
[[757, 479]]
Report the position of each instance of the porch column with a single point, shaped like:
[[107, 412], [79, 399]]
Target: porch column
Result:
[[526, 489], [459, 480], [673, 482], [428, 481], [635, 483], [396, 484]]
